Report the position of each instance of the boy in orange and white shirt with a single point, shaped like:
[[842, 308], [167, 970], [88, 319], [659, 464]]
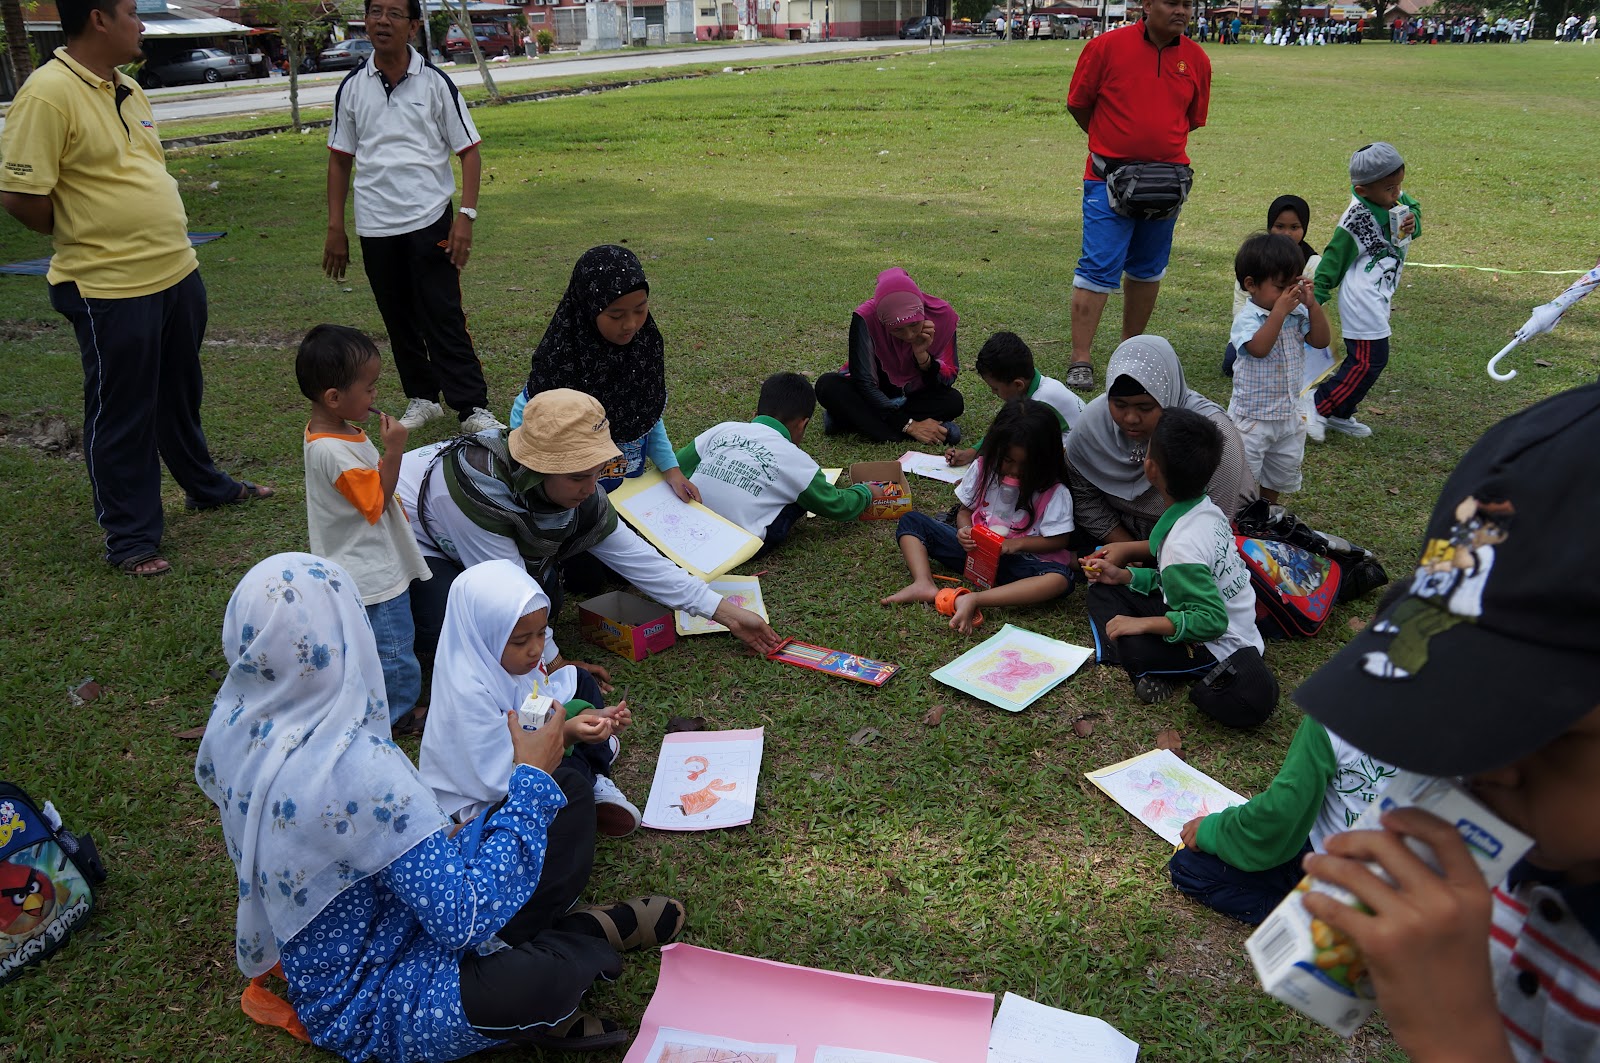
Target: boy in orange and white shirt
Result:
[[352, 514]]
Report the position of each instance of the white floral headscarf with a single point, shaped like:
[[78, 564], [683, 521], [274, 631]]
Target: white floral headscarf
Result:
[[313, 792]]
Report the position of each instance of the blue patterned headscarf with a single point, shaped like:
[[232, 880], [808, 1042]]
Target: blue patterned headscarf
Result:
[[313, 792]]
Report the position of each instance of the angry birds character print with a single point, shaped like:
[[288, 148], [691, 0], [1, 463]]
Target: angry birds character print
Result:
[[27, 899]]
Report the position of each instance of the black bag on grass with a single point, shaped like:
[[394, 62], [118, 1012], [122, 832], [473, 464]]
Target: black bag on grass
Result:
[[47, 880]]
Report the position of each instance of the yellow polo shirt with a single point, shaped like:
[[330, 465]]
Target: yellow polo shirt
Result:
[[120, 228]]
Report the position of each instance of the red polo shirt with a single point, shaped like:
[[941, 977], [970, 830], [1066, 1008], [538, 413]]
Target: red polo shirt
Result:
[[1145, 99]]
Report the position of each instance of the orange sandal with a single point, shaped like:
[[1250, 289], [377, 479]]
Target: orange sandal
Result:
[[945, 603]]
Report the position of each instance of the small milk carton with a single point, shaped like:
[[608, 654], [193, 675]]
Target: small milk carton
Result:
[[535, 710], [1315, 969]]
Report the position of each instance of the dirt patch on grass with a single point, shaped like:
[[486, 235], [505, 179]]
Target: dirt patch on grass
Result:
[[16, 331], [43, 431]]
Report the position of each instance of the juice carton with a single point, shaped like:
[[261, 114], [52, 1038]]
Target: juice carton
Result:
[[984, 561], [1316, 970]]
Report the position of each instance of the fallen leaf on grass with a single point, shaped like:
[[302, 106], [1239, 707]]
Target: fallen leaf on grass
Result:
[[1355, 623], [935, 716], [191, 733], [685, 723], [1394, 490], [1170, 739], [217, 673], [895, 884], [1083, 726], [1543, 364], [865, 735], [86, 691]]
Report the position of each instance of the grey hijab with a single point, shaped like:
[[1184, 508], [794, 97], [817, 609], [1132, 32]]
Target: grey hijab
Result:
[[1098, 449]]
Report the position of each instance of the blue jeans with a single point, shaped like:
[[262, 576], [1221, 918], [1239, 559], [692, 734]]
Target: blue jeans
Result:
[[396, 637], [1114, 245], [1248, 896], [942, 545]]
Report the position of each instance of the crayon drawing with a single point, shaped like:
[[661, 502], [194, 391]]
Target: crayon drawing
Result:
[[685, 1046], [703, 782], [1013, 668], [688, 533], [932, 466], [1163, 792], [743, 591]]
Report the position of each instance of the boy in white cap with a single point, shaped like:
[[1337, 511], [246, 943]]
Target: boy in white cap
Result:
[[1363, 260]]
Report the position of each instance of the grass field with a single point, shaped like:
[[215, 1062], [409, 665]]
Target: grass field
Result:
[[969, 854]]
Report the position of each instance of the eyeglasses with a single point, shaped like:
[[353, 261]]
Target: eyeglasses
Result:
[[378, 14]]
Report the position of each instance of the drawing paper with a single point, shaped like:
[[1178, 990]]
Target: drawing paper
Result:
[[705, 780], [770, 1003], [1163, 792], [834, 1054], [1319, 363], [932, 466], [743, 591], [832, 476], [1013, 668], [686, 1046], [700, 541], [1027, 1032]]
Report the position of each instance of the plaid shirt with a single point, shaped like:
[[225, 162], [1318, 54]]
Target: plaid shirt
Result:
[[1267, 389]]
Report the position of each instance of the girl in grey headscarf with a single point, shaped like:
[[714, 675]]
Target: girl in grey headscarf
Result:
[[1111, 500]]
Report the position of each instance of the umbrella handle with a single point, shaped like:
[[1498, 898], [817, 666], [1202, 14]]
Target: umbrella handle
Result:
[[1494, 363]]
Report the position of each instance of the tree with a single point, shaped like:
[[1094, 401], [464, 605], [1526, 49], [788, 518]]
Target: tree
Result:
[[973, 10], [302, 25], [17, 39], [464, 20]]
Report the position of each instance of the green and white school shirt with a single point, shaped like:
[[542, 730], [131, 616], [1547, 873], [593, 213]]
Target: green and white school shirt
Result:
[[748, 471], [1363, 261], [1200, 574], [1056, 395]]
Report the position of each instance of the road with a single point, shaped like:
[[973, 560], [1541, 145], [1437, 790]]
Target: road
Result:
[[318, 89]]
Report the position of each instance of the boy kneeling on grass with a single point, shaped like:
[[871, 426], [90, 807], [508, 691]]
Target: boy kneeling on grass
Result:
[[1488, 667], [1193, 616]]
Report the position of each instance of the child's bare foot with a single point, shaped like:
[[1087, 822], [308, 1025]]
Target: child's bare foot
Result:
[[918, 591], [966, 615]]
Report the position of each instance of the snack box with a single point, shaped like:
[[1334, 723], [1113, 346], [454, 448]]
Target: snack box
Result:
[[626, 624], [1315, 969], [888, 472]]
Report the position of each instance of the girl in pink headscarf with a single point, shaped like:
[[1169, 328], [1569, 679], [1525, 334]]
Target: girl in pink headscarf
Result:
[[898, 381]]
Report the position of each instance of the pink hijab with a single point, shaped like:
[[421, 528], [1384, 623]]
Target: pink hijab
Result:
[[894, 303]]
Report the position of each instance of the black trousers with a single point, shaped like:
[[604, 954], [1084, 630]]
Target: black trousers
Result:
[[541, 979], [142, 387], [836, 393], [419, 295], [1140, 654]]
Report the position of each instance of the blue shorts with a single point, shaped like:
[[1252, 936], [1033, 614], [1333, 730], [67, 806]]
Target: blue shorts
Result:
[[1114, 245], [942, 545]]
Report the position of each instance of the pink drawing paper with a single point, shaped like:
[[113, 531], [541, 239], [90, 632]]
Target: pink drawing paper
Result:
[[779, 1003]]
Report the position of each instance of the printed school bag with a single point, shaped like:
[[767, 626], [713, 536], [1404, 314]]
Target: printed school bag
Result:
[[1295, 589], [47, 880]]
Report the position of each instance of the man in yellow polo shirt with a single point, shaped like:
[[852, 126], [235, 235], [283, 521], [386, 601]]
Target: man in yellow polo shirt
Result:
[[82, 163]]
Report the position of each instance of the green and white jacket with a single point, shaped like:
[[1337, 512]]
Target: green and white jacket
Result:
[[1202, 578], [1363, 260]]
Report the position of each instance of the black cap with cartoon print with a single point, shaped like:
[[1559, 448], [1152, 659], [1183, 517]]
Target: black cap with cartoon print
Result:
[[1494, 648]]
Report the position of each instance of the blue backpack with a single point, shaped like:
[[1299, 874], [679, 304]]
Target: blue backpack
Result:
[[47, 880]]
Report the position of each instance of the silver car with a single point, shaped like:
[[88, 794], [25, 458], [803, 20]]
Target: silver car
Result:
[[195, 64], [345, 54]]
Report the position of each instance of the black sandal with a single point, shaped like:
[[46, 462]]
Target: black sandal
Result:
[[131, 565], [412, 723], [249, 492], [578, 1032]]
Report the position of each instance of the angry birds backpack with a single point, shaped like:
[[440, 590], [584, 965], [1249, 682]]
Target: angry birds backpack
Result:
[[47, 880]]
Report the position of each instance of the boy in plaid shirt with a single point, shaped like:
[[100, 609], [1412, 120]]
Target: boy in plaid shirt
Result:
[[1271, 334]]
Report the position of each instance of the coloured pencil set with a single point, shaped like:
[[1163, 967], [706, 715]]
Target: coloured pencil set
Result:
[[834, 662]]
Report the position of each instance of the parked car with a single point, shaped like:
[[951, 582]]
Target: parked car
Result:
[[1062, 27], [963, 27], [194, 64], [345, 54], [493, 39], [921, 28]]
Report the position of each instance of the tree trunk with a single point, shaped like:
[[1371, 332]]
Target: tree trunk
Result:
[[464, 20], [293, 46], [17, 39]]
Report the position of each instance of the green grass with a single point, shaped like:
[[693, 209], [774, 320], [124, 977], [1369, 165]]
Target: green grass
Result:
[[971, 854]]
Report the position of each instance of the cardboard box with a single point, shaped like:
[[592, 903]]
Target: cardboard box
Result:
[[1316, 970], [984, 562], [627, 624], [888, 472]]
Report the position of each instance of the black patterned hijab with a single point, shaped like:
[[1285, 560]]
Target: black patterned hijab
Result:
[[630, 381]]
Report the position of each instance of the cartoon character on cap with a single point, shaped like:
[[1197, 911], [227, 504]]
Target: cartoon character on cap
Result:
[[1455, 569]]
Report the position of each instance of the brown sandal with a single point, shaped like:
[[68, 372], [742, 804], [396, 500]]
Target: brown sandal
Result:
[[136, 566], [579, 1031], [648, 913], [412, 723]]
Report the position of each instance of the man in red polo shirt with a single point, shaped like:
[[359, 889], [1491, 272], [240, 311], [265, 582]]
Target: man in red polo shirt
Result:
[[1137, 91]]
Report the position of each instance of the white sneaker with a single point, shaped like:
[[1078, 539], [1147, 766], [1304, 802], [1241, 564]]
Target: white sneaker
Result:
[[481, 420], [419, 412], [1350, 427], [1316, 425], [614, 815]]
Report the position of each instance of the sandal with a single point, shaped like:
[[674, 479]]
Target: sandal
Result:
[[1080, 376], [648, 914], [579, 1031], [140, 565], [411, 723], [248, 492]]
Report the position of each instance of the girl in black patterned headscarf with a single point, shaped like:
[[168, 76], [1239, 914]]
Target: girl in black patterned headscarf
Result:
[[602, 341]]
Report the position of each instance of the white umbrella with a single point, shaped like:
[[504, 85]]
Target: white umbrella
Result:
[[1544, 319]]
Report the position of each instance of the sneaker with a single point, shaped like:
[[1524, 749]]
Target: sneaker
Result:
[[479, 420], [614, 815], [1350, 427], [1153, 688], [419, 412], [1316, 425], [1080, 376]]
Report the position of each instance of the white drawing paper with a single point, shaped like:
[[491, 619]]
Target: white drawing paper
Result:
[[688, 1046], [1013, 667], [1163, 792], [832, 476], [687, 532], [932, 466], [705, 780], [834, 1054], [1029, 1032], [743, 591]]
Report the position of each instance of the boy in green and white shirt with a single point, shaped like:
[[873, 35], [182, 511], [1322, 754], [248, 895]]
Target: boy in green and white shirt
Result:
[[755, 474], [1005, 364], [1192, 616]]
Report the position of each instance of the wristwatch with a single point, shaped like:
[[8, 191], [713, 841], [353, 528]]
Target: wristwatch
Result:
[[470, 212]]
